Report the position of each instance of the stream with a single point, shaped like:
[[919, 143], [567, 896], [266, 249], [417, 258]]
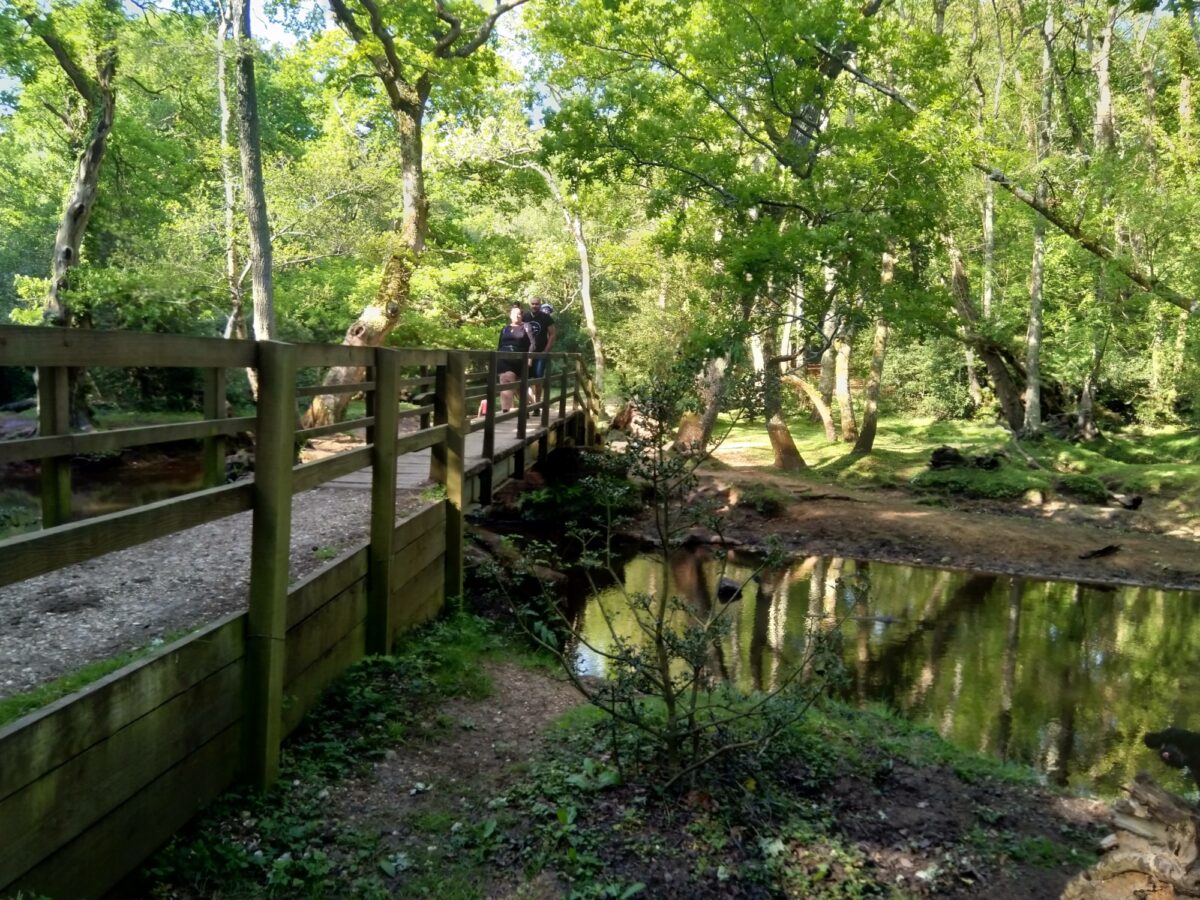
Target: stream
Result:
[[1062, 677], [128, 482]]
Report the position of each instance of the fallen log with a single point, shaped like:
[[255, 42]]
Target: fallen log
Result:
[[1153, 852]]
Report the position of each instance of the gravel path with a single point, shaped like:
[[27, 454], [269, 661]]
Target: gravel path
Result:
[[54, 624]]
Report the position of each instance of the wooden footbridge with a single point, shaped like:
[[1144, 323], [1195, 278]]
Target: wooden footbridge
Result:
[[93, 783]]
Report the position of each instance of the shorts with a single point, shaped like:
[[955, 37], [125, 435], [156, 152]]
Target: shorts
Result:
[[538, 369]]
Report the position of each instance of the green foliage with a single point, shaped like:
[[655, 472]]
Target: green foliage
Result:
[[1083, 487], [661, 693], [1009, 482], [918, 383], [277, 843]]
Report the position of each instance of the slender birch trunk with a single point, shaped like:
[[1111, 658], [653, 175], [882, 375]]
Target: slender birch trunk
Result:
[[254, 196], [843, 346], [574, 224], [1033, 335]]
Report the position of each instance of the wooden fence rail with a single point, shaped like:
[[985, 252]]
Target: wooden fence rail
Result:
[[93, 783]]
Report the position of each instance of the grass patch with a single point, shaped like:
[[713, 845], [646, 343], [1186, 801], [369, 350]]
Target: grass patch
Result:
[[1158, 462], [17, 705]]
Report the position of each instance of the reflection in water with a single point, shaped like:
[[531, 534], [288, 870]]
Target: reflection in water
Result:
[[1062, 677], [127, 484]]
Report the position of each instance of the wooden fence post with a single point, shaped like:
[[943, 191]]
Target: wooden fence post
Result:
[[581, 427], [382, 436], [266, 638], [54, 417], [522, 420], [437, 454], [214, 408], [544, 390], [451, 390], [562, 392], [489, 430]]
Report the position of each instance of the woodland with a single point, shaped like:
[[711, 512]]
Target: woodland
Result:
[[950, 209], [874, 225]]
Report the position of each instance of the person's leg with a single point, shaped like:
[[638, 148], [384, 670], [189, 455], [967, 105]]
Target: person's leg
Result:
[[506, 397], [535, 374]]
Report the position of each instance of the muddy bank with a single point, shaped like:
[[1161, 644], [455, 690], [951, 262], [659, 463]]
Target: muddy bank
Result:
[[996, 538]]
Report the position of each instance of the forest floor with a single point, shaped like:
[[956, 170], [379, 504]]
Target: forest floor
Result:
[[487, 776]]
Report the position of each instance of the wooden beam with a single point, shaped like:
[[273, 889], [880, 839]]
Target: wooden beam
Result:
[[266, 637], [29, 555], [455, 453], [54, 413], [31, 346], [214, 408], [383, 500]]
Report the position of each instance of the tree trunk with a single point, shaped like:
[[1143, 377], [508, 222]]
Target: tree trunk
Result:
[[1103, 123], [989, 245], [787, 457], [1085, 417], [232, 278], [81, 198], [788, 345], [866, 437], [250, 151], [829, 330], [376, 322], [99, 102], [1032, 422], [585, 297], [235, 325], [797, 380], [974, 388], [712, 384], [1152, 853], [989, 203], [575, 226], [842, 347], [994, 358]]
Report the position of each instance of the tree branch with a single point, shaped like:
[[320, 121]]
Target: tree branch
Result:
[[445, 45], [85, 85], [1096, 246]]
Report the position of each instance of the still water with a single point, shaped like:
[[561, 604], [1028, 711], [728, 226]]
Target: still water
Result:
[[129, 483], [1063, 677]]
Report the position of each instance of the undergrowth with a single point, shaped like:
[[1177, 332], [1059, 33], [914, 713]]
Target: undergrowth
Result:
[[772, 823]]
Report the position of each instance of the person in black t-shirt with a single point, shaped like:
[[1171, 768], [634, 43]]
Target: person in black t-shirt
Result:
[[543, 334], [514, 338]]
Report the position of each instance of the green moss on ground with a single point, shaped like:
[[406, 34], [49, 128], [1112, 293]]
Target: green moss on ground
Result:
[[1162, 462]]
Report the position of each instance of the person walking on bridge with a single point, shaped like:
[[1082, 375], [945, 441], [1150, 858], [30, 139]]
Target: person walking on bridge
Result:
[[540, 318], [514, 338]]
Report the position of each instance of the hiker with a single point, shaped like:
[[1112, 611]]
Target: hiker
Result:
[[514, 338], [543, 335]]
